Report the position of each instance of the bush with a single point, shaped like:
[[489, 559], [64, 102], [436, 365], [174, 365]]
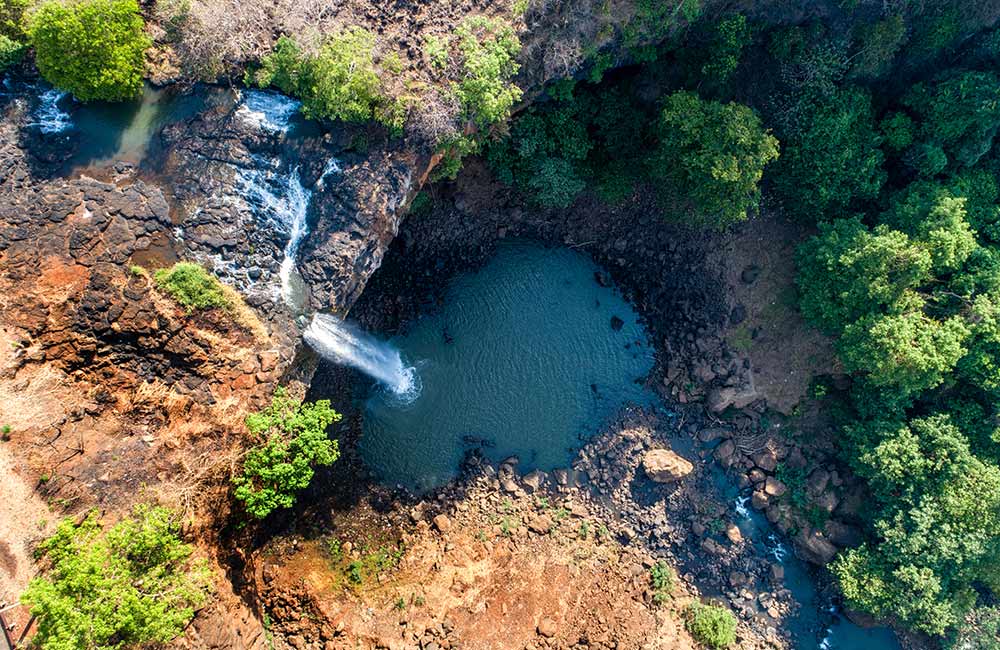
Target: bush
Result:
[[293, 442], [133, 584], [878, 44], [712, 155], [93, 49], [489, 49], [724, 49], [711, 625], [12, 23], [339, 82], [10, 52], [191, 286]]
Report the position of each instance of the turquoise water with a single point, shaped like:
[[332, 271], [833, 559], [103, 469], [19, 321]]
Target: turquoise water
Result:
[[521, 359]]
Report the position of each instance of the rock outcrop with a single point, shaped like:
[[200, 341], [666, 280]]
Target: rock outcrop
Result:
[[664, 466]]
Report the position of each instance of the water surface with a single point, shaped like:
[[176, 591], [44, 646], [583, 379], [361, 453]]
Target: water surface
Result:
[[522, 359]]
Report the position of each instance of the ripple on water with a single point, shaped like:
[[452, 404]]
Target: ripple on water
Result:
[[520, 359]]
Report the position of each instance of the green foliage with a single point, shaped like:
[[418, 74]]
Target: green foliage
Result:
[[938, 530], [730, 36], [959, 114], [489, 49], [655, 20], [878, 45], [12, 19], [453, 150], [712, 155], [830, 156], [93, 49], [898, 129], [292, 443], [711, 625], [662, 580], [339, 82], [436, 49], [11, 52], [133, 584], [191, 286], [979, 631], [555, 183]]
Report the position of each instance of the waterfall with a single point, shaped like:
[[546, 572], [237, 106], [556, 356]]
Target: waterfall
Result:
[[341, 342], [270, 111], [48, 116]]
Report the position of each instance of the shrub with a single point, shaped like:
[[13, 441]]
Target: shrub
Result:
[[12, 22], [436, 49], [133, 584], [725, 48], [293, 442], [878, 44], [10, 52], [191, 286], [711, 625], [339, 82], [489, 49], [662, 580], [93, 49], [713, 156]]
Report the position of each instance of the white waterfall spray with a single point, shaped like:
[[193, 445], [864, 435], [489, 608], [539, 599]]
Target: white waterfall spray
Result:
[[48, 116], [270, 111], [343, 343]]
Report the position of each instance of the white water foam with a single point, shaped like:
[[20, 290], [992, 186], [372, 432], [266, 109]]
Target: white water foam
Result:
[[283, 203], [269, 111], [741, 507], [341, 342], [48, 116], [332, 167], [776, 548]]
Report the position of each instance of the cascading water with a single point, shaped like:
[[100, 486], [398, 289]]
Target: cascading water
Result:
[[341, 342], [268, 110], [48, 116]]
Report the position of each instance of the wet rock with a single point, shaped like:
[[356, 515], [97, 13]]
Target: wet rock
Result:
[[766, 459], [664, 466], [841, 534], [817, 481], [737, 578], [726, 453], [617, 323], [733, 534], [533, 481], [814, 547], [738, 314], [776, 573], [773, 487]]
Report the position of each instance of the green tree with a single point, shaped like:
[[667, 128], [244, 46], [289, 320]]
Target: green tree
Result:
[[848, 271], [489, 49], [939, 224], [830, 156], [877, 43], [292, 443], [133, 584], [712, 156], [909, 352], [959, 114], [339, 82], [12, 22], [10, 52], [93, 48], [938, 528]]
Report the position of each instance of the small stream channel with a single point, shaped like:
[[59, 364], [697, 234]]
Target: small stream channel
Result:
[[526, 357]]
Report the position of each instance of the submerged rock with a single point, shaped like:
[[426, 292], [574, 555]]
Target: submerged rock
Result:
[[664, 466]]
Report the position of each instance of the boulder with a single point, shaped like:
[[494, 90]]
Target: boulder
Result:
[[726, 453], [541, 524], [814, 547], [664, 466], [547, 627], [533, 481], [773, 487], [442, 523], [722, 397], [766, 459]]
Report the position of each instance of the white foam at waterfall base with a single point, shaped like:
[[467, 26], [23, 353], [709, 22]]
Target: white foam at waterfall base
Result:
[[282, 202], [48, 116], [268, 110], [332, 167], [343, 343]]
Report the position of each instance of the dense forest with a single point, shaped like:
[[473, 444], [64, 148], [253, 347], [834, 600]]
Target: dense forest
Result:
[[875, 126]]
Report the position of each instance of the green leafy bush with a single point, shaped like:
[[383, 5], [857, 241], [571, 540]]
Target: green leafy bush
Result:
[[711, 625], [191, 286], [10, 52], [662, 580], [340, 82], [133, 584], [877, 43], [12, 19], [93, 49], [293, 442], [712, 155], [722, 54], [489, 50]]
